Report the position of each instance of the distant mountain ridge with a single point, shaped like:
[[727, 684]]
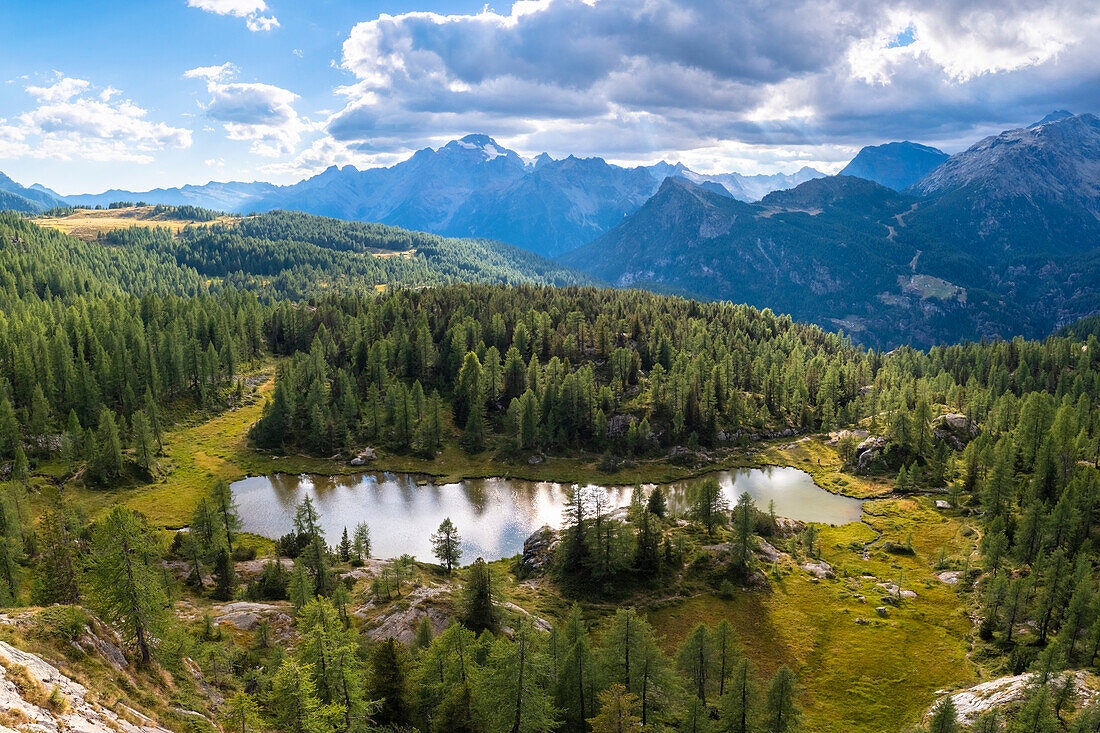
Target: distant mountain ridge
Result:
[[896, 165], [31, 199], [471, 187], [999, 240]]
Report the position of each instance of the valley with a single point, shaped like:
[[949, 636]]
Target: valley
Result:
[[468, 441]]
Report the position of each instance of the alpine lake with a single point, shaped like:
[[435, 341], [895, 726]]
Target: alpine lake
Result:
[[494, 515]]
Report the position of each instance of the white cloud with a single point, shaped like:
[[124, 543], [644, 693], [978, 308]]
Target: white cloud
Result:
[[63, 88], [212, 73], [261, 113], [791, 81], [73, 120], [260, 23], [250, 10]]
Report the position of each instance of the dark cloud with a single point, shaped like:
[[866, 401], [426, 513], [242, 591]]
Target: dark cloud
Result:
[[630, 77]]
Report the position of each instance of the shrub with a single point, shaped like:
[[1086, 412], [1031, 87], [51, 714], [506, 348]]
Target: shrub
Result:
[[66, 623]]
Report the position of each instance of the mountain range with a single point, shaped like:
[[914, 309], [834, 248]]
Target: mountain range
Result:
[[905, 245], [895, 165], [472, 187], [997, 240]]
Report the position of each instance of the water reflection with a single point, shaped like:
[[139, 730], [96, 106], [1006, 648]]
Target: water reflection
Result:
[[493, 515]]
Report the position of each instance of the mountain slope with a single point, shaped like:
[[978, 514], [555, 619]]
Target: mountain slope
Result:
[[999, 240], [556, 207], [895, 165], [232, 196], [472, 187], [21, 198], [1031, 190], [800, 252]]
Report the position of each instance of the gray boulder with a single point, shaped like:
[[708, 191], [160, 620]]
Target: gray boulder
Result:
[[868, 450], [955, 429], [538, 549], [365, 455]]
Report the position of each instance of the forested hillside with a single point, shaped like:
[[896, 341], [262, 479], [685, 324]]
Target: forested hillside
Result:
[[108, 347]]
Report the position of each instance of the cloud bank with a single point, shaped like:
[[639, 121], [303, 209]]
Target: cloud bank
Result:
[[630, 78], [73, 120]]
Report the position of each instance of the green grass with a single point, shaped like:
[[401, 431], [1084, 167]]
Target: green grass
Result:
[[876, 676], [821, 461]]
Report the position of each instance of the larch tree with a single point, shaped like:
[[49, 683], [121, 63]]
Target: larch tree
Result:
[[781, 712], [447, 544], [617, 712], [126, 579]]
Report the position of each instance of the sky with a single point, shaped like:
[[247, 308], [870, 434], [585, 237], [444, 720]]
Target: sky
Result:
[[97, 95]]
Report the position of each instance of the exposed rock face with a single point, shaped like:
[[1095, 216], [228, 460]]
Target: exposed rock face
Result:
[[819, 569], [957, 430], [538, 549], [365, 455], [246, 616], [868, 450], [838, 435], [403, 619], [75, 715], [997, 693]]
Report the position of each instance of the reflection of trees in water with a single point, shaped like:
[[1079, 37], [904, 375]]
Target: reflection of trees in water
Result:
[[477, 494], [286, 488]]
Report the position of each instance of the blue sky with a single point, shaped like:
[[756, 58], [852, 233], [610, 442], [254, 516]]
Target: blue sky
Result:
[[97, 95]]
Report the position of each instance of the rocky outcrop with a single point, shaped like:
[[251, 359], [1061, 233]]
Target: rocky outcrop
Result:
[[403, 618], [820, 569], [45, 701], [538, 549], [868, 450], [246, 616], [955, 429], [1005, 691], [365, 456], [838, 435]]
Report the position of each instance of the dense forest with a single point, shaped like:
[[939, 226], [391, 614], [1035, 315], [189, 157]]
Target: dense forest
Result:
[[103, 345], [296, 256]]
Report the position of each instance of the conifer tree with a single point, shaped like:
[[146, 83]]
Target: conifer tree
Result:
[[515, 684], [709, 507], [142, 440], [739, 707], [781, 713], [478, 609], [294, 703], [575, 691], [225, 577], [344, 548], [126, 580], [447, 544], [55, 572], [228, 517], [617, 712], [107, 460], [361, 541], [657, 506], [697, 662], [744, 522], [241, 714], [388, 681]]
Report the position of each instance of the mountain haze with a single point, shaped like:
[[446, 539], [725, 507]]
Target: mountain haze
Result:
[[999, 240], [471, 187], [895, 165]]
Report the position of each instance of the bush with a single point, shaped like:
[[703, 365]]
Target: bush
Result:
[[271, 585], [291, 544], [66, 623], [898, 549], [243, 554]]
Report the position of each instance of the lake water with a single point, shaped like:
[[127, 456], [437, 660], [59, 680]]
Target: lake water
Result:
[[494, 516]]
